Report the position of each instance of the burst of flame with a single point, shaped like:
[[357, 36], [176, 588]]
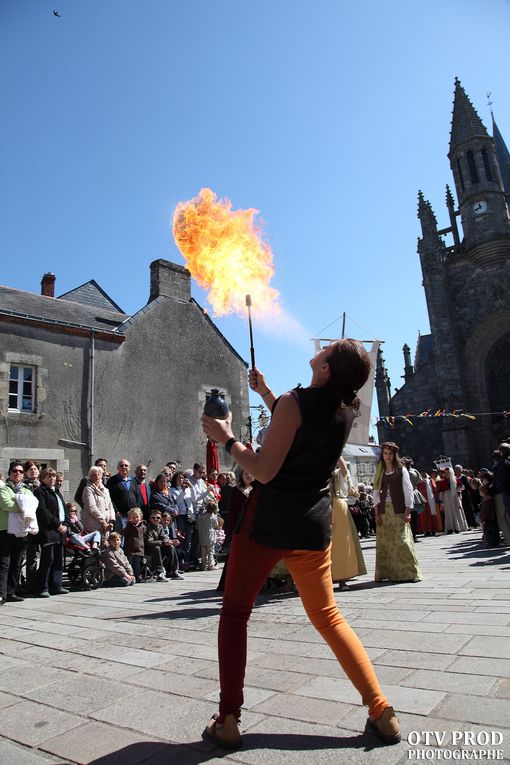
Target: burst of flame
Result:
[[225, 254]]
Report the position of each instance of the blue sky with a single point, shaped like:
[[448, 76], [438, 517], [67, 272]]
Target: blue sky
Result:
[[327, 116]]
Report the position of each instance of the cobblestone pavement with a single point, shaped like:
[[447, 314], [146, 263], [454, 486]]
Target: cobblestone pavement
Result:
[[126, 677]]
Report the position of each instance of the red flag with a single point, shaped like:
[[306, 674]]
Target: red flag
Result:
[[212, 461]]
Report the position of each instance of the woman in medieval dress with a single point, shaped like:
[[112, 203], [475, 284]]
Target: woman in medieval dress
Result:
[[393, 499], [346, 555]]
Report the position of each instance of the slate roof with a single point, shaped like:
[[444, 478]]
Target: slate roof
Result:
[[423, 350], [91, 294], [503, 155], [57, 310], [466, 124]]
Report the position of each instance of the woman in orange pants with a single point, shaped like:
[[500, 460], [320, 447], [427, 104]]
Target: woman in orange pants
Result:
[[288, 516]]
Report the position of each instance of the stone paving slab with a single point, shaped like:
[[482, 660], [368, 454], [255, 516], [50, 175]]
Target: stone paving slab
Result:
[[81, 694], [31, 724], [479, 665], [409, 699], [477, 629], [289, 705], [426, 642], [450, 681], [475, 709], [491, 647], [503, 689], [15, 754], [185, 685], [94, 740], [27, 677], [403, 658]]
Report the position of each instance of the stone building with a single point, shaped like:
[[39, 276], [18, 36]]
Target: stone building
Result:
[[80, 379], [464, 363]]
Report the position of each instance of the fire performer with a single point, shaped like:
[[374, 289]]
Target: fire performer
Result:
[[288, 516]]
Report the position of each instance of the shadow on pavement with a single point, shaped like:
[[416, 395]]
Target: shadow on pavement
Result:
[[491, 556], [181, 613], [159, 753]]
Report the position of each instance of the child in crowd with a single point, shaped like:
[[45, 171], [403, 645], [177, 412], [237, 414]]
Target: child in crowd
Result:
[[156, 542], [118, 571], [488, 518], [75, 533], [220, 536], [169, 553], [169, 526], [134, 544], [207, 523]]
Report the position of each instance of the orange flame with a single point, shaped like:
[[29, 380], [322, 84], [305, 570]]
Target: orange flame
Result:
[[225, 254]]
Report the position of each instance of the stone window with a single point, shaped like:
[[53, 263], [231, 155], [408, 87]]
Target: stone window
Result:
[[473, 171], [22, 388], [461, 177], [486, 165], [23, 384]]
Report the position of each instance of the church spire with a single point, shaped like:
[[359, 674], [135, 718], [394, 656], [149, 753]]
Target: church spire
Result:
[[466, 124], [502, 154], [426, 215], [476, 172]]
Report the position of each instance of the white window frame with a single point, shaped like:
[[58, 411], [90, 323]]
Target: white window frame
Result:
[[19, 394]]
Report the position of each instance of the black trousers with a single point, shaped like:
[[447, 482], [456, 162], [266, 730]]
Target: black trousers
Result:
[[50, 568], [11, 560], [170, 560], [414, 523]]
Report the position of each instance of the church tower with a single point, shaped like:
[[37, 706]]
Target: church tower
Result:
[[477, 175], [464, 364]]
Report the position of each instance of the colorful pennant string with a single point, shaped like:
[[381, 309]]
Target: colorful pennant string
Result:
[[390, 421]]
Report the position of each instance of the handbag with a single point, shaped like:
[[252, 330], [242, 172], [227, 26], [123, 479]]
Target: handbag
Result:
[[419, 501]]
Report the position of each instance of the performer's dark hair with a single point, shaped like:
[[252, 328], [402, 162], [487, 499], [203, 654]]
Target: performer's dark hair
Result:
[[350, 366]]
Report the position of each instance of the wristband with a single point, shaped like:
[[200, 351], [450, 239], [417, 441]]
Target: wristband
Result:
[[230, 443], [268, 391]]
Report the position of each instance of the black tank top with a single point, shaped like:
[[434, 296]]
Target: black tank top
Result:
[[294, 508]]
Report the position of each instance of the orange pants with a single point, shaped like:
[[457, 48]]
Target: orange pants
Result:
[[249, 565]]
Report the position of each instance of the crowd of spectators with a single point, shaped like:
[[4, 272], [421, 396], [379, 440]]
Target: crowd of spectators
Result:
[[173, 523], [133, 526]]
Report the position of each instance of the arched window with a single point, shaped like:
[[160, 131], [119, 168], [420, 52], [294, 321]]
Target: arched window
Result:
[[487, 165], [461, 177], [473, 172], [497, 375]]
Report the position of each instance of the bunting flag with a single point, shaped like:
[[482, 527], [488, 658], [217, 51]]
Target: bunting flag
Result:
[[390, 421]]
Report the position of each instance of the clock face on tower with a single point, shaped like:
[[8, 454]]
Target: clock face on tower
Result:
[[480, 207]]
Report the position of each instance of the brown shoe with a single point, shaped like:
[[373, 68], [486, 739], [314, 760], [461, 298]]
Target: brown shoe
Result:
[[387, 726], [224, 734]]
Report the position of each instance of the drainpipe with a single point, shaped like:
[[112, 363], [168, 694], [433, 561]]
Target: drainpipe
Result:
[[92, 369]]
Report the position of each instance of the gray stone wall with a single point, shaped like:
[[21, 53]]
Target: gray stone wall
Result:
[[61, 398], [151, 392]]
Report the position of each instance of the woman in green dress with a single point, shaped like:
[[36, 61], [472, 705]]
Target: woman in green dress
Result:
[[395, 557]]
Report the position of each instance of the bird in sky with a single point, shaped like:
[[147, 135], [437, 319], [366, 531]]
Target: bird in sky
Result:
[[57, 14]]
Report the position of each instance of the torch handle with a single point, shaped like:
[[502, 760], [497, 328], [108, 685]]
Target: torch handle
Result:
[[252, 349]]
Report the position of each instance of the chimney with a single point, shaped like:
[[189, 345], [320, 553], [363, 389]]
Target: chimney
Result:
[[48, 285], [170, 280]]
